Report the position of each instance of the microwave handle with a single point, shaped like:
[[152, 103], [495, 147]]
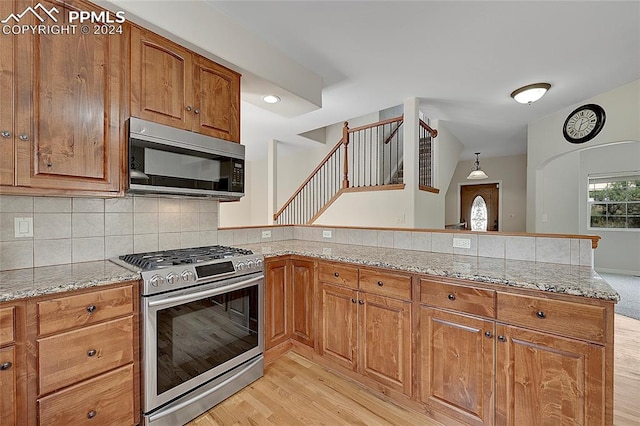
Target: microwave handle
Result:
[[205, 293]]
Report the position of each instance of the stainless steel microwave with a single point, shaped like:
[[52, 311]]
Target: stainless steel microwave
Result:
[[166, 160]]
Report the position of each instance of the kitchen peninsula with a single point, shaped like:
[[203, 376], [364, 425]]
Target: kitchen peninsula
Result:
[[422, 328]]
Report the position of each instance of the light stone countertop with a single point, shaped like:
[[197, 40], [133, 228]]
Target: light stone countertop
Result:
[[552, 277], [557, 278], [30, 282]]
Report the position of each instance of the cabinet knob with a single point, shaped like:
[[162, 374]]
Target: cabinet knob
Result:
[[380, 283], [5, 365], [91, 352], [502, 338], [541, 315], [335, 274], [451, 296], [49, 164], [353, 300], [197, 111], [488, 334], [189, 108], [91, 308], [91, 414], [361, 302], [5, 134], [24, 137]]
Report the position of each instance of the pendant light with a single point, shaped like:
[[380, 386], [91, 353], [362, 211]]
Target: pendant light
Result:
[[477, 172]]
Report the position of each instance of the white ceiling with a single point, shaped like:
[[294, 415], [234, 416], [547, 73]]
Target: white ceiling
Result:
[[461, 59]]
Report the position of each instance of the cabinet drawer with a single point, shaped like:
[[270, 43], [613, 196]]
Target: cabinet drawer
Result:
[[555, 316], [65, 313], [338, 274], [471, 300], [7, 326], [385, 283], [73, 356], [104, 400]]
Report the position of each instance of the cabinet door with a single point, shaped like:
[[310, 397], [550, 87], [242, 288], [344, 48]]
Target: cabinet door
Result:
[[456, 370], [7, 157], [161, 80], [68, 107], [385, 341], [276, 295], [302, 293], [548, 380], [217, 100], [339, 319], [8, 378]]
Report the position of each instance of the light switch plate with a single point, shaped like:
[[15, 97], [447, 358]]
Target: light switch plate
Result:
[[266, 234], [327, 234], [462, 243], [23, 227]]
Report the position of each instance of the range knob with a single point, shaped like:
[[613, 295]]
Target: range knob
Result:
[[156, 281], [241, 266], [172, 278], [251, 264], [259, 263], [187, 276]]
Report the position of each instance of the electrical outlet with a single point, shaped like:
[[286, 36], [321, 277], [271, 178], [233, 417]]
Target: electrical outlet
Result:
[[266, 234], [326, 234], [462, 243], [23, 227]]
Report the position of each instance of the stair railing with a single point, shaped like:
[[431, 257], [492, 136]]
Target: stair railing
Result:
[[425, 155]]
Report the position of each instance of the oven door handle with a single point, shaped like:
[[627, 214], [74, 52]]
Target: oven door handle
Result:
[[205, 293]]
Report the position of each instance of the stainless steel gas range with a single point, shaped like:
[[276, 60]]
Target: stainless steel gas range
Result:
[[202, 318]]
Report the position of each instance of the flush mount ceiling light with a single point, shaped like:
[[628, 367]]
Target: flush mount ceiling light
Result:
[[271, 99], [477, 172], [531, 93]]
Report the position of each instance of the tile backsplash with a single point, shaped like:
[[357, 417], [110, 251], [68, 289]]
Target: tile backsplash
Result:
[[69, 230]]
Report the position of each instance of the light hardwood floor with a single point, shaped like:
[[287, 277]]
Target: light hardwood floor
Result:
[[295, 391]]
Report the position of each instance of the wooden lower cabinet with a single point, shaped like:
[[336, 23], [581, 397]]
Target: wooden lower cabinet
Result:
[[303, 295], [13, 368], [8, 384], [456, 368], [544, 379], [369, 334], [289, 301]]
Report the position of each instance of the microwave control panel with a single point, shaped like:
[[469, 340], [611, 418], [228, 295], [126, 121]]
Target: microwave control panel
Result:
[[237, 176]]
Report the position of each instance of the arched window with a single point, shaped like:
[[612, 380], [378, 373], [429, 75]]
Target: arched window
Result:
[[478, 214]]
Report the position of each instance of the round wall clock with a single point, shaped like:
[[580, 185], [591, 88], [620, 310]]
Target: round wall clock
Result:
[[584, 123]]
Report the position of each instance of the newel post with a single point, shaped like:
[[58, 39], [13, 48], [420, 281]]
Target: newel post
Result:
[[345, 141]]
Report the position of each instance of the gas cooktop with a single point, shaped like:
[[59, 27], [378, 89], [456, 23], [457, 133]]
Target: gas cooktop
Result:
[[168, 270], [162, 259]]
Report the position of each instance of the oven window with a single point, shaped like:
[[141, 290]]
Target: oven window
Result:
[[198, 336]]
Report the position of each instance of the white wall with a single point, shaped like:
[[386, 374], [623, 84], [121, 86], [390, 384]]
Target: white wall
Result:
[[557, 173], [511, 173]]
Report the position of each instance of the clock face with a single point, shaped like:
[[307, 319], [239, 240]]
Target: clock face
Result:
[[584, 123]]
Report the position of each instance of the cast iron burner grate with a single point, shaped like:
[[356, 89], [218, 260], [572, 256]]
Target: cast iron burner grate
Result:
[[162, 259]]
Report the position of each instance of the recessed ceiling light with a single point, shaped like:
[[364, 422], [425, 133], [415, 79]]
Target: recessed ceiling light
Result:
[[530, 93], [271, 99]]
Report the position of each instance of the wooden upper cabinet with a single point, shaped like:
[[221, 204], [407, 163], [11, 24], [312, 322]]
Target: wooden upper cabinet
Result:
[[7, 140], [68, 107], [217, 100], [161, 80], [171, 85]]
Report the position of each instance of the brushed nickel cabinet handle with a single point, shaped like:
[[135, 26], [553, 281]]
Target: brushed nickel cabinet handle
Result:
[[380, 283], [361, 302], [451, 297], [91, 414], [502, 338], [6, 365], [541, 315], [189, 108], [91, 308], [335, 274], [91, 352], [353, 300], [488, 334], [197, 111], [5, 134], [24, 137]]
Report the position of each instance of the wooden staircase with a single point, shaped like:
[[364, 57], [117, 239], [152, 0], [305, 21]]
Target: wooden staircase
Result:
[[366, 158]]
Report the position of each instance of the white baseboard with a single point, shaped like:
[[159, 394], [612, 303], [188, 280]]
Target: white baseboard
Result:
[[617, 271]]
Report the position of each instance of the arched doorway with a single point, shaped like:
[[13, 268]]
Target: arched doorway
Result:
[[479, 206]]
